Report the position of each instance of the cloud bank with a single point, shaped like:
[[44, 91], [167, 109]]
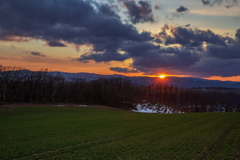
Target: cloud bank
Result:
[[176, 49]]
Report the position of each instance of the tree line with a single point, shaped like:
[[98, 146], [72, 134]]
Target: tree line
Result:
[[24, 86]]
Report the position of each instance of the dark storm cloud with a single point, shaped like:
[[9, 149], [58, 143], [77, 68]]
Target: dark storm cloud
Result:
[[60, 22], [104, 57], [192, 58], [181, 9], [140, 49], [191, 37], [215, 67], [150, 56], [74, 21], [123, 70], [221, 56], [228, 52], [167, 58], [55, 44], [38, 54], [139, 13], [226, 3], [107, 10]]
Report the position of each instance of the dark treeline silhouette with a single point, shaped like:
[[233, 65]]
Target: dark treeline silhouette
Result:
[[24, 86]]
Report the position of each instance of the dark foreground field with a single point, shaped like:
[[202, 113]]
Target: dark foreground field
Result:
[[101, 133]]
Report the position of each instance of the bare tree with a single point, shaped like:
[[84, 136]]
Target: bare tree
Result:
[[8, 74]]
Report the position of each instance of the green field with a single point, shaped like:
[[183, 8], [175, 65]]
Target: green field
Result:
[[98, 133]]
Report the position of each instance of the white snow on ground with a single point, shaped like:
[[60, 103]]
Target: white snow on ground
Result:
[[154, 108], [82, 105], [59, 105]]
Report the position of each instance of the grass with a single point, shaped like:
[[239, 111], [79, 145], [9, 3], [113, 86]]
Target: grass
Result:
[[98, 133]]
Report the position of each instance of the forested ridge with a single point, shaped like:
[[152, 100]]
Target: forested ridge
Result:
[[24, 86]]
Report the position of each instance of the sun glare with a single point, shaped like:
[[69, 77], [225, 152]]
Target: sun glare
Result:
[[162, 76]]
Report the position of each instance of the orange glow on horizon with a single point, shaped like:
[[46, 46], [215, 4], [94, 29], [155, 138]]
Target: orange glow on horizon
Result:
[[162, 76], [233, 78], [74, 66]]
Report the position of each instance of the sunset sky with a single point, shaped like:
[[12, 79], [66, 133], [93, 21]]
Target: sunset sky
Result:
[[196, 38]]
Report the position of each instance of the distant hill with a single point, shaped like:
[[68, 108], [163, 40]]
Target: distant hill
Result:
[[183, 82]]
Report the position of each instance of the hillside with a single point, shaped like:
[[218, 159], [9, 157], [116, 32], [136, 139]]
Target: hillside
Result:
[[183, 82]]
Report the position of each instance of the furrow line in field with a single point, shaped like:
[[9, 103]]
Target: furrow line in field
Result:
[[143, 133], [140, 145], [195, 141], [74, 145], [199, 154], [64, 147], [153, 141], [190, 126], [221, 145], [237, 157], [150, 141], [52, 150], [190, 140], [90, 146], [183, 147], [218, 141]]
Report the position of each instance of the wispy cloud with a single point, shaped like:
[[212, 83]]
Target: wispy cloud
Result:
[[215, 11], [124, 70], [37, 54], [226, 3]]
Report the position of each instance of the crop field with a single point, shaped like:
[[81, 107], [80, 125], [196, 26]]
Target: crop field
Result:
[[42, 132]]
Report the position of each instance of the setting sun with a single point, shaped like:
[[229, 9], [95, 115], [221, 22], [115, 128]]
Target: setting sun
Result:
[[162, 76]]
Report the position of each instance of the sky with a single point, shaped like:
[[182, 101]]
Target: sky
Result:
[[185, 38]]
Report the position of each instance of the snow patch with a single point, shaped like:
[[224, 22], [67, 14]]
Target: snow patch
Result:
[[60, 105], [146, 107], [82, 105]]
